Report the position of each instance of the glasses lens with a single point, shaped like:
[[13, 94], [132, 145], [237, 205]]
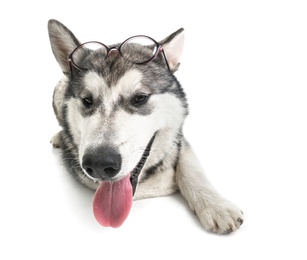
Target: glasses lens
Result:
[[139, 49], [86, 52]]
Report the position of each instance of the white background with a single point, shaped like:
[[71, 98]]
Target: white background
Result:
[[244, 71]]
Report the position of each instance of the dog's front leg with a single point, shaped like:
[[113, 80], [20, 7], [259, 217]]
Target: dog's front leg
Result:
[[214, 212]]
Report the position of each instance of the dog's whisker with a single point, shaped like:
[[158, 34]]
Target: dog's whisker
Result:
[[127, 140]]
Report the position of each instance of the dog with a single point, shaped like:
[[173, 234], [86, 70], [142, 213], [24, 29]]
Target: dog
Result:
[[122, 110]]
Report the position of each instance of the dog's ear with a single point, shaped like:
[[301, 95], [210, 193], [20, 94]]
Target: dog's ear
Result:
[[173, 47], [63, 42]]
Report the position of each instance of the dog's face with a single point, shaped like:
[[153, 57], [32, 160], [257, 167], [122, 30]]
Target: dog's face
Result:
[[112, 125], [116, 111]]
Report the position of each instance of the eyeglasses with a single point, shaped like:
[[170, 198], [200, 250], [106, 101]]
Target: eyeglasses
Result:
[[129, 49]]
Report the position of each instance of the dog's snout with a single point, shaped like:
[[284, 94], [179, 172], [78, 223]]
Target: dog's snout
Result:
[[102, 163]]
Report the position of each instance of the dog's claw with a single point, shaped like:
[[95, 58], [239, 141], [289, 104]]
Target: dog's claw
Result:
[[228, 231], [240, 221], [56, 140]]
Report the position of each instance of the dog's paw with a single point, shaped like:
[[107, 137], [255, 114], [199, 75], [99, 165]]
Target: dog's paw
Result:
[[221, 217], [56, 140]]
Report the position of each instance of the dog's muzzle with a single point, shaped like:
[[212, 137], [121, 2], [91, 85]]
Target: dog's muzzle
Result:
[[104, 162]]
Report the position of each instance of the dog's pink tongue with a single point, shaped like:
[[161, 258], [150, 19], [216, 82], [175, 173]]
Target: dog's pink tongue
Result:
[[112, 202]]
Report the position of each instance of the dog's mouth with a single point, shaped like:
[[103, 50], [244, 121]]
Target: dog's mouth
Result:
[[113, 200]]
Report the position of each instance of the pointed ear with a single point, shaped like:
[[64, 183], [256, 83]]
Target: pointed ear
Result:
[[63, 42], [173, 47]]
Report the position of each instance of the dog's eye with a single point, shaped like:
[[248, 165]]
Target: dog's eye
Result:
[[139, 99], [87, 102]]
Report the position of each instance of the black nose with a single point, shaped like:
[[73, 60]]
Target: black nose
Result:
[[102, 162]]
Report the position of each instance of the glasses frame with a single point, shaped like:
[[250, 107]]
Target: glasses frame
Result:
[[159, 49]]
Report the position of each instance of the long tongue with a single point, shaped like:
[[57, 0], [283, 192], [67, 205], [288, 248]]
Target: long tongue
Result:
[[112, 202]]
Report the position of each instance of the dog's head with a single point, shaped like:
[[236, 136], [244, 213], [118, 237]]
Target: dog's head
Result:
[[117, 109]]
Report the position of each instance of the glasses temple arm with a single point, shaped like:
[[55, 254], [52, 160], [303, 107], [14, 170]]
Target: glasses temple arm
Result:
[[163, 53]]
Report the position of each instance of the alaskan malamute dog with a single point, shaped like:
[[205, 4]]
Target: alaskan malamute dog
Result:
[[122, 111]]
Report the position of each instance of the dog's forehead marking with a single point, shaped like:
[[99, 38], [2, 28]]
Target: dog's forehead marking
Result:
[[94, 83], [125, 86], [129, 82]]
